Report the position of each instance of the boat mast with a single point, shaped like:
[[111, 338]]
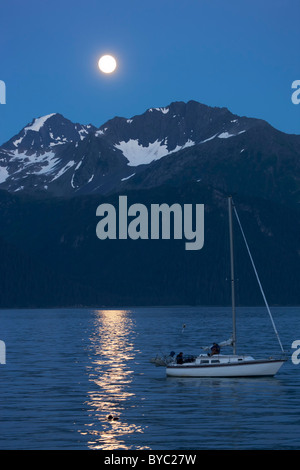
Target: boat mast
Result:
[[232, 274]]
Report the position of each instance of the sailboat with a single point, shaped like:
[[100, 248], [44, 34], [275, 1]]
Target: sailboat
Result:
[[215, 364]]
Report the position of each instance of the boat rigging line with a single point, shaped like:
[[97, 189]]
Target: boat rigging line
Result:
[[257, 277]]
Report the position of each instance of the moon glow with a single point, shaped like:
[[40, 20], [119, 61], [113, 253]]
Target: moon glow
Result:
[[107, 64]]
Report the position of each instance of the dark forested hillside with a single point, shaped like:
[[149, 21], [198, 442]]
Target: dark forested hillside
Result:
[[51, 256]]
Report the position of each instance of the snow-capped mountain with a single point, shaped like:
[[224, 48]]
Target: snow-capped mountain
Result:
[[179, 142], [34, 153], [162, 131], [46, 132]]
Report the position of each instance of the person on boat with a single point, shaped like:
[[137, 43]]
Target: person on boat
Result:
[[179, 358], [215, 349]]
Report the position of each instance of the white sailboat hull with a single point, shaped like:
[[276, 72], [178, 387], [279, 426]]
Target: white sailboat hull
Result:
[[259, 368]]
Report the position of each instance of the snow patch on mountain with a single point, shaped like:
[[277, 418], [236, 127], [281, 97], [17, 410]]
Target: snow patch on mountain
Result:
[[100, 132], [162, 110], [79, 164], [63, 170], [49, 163], [138, 154], [127, 177], [210, 138], [17, 141], [83, 133], [35, 164], [38, 123], [91, 179], [226, 135]]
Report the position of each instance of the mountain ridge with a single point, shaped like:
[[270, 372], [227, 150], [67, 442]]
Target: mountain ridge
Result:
[[55, 157]]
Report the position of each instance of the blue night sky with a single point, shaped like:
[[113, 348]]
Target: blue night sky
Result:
[[241, 54]]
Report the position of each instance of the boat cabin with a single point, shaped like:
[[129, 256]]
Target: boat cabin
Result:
[[203, 359]]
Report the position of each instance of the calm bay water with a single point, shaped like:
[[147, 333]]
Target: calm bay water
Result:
[[67, 369]]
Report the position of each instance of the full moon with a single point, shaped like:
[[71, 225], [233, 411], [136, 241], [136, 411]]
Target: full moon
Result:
[[107, 64]]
